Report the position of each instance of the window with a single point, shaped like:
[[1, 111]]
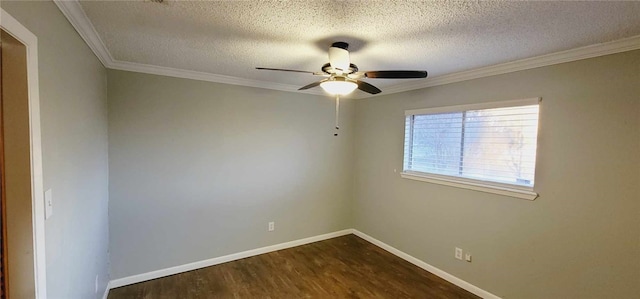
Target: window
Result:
[[488, 147]]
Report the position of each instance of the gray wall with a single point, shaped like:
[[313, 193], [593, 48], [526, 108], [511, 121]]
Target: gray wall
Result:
[[197, 169], [579, 239], [74, 142]]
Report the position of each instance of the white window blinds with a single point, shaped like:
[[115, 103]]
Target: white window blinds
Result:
[[493, 142]]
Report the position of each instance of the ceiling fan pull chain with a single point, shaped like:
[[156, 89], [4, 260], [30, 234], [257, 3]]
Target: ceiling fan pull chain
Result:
[[337, 114]]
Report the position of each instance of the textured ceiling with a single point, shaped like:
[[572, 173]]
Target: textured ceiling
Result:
[[232, 37]]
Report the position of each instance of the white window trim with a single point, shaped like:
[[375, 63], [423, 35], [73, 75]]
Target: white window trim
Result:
[[472, 184], [480, 106], [488, 187]]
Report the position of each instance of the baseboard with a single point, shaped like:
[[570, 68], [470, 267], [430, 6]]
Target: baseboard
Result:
[[440, 273], [244, 254], [106, 291], [223, 259]]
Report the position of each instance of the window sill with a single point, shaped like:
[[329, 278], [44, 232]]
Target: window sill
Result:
[[452, 182]]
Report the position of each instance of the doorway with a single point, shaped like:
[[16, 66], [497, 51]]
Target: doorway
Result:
[[22, 258], [16, 170], [3, 207]]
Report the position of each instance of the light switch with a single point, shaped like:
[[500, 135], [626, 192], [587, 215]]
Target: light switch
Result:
[[48, 204]]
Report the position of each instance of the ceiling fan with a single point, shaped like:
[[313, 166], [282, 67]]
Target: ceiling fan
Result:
[[343, 77]]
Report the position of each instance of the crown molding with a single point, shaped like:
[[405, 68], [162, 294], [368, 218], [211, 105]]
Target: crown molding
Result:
[[202, 76], [591, 51], [77, 17], [72, 10]]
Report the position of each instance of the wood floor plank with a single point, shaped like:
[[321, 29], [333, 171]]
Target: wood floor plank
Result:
[[343, 267]]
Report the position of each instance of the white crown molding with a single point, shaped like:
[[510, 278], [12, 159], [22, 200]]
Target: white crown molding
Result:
[[202, 76], [77, 17], [591, 51], [79, 20], [73, 11]]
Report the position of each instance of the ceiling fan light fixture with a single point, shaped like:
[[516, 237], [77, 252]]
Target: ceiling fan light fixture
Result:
[[344, 76], [339, 87]]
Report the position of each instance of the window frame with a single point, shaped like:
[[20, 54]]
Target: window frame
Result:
[[516, 191]]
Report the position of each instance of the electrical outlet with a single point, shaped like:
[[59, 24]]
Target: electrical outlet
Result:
[[272, 226], [467, 257], [458, 254]]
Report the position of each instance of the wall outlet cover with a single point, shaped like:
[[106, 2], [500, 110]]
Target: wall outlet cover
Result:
[[458, 253]]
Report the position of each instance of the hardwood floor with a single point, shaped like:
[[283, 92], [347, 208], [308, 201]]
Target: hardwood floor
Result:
[[343, 267]]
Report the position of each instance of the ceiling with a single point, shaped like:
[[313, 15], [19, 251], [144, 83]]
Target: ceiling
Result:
[[231, 38]]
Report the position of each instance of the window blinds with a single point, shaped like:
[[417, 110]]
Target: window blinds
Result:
[[494, 142]]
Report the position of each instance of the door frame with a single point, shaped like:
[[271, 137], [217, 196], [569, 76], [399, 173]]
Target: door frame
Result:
[[21, 33]]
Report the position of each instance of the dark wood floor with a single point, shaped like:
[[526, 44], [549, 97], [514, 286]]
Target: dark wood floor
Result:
[[343, 267]]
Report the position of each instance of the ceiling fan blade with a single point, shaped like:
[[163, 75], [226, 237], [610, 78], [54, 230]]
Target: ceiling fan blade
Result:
[[396, 74], [366, 87], [312, 85], [284, 70]]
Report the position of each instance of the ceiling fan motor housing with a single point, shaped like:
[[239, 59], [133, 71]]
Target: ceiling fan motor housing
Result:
[[344, 77], [341, 45], [339, 56], [327, 69]]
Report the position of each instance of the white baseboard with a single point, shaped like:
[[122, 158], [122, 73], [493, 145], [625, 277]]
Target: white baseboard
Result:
[[442, 274], [223, 259], [106, 291], [244, 254]]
